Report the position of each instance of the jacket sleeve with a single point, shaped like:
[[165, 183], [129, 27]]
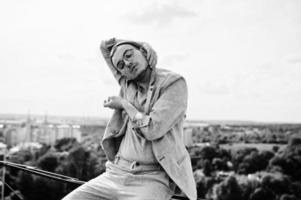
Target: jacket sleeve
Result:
[[116, 121], [105, 47], [166, 112]]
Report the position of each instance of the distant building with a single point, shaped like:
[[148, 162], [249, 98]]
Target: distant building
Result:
[[188, 130], [13, 133]]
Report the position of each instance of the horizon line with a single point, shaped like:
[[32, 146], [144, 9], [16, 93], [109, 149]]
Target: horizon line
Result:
[[216, 121]]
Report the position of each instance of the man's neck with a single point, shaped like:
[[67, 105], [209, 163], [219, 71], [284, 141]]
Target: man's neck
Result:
[[143, 79]]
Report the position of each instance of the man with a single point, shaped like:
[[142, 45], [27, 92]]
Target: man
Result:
[[143, 140]]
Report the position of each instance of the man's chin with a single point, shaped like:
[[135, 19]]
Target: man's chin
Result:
[[131, 78], [135, 78], [140, 76]]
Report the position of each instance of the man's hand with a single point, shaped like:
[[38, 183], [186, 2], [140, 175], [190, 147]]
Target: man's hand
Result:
[[151, 55], [114, 102], [107, 45]]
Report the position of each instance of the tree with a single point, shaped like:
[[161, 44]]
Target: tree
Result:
[[48, 162], [81, 164], [207, 169], [275, 148], [295, 188], [277, 183], [219, 164], [294, 141], [21, 156], [239, 155], [289, 160], [204, 185], [255, 161], [208, 152], [262, 194], [228, 190], [65, 144], [250, 163], [288, 197]]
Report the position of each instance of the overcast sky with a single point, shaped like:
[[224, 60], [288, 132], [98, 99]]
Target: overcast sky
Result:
[[241, 58]]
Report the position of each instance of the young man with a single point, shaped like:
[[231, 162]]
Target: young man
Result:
[[143, 140]]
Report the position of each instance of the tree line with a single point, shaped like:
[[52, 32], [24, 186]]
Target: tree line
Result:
[[220, 174]]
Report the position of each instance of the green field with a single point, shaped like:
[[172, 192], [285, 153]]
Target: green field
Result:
[[259, 146]]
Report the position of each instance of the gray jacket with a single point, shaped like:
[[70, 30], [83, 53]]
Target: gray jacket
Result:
[[162, 124]]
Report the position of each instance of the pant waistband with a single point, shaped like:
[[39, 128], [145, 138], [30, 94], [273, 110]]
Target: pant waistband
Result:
[[136, 165]]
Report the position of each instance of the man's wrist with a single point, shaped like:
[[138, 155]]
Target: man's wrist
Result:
[[124, 103], [110, 43], [129, 108]]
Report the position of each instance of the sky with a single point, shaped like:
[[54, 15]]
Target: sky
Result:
[[241, 58]]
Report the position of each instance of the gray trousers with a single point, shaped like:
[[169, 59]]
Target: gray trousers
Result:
[[124, 182]]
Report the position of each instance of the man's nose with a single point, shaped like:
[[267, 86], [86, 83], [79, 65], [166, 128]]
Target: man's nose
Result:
[[128, 63]]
